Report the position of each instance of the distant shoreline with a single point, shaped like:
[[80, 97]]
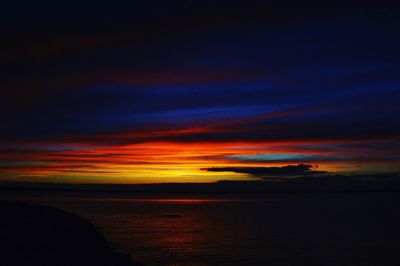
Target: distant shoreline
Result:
[[33, 234], [325, 184]]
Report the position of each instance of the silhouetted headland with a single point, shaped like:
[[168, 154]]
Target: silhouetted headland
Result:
[[37, 235]]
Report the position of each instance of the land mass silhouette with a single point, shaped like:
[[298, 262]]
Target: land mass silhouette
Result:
[[36, 235], [378, 182]]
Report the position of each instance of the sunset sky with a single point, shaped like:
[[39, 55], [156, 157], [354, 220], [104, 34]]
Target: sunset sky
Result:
[[189, 91]]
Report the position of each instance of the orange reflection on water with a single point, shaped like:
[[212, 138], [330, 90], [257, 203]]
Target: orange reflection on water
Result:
[[183, 236], [176, 228], [177, 200], [183, 201]]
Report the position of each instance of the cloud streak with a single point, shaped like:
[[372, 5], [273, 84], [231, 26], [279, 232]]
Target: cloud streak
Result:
[[268, 172]]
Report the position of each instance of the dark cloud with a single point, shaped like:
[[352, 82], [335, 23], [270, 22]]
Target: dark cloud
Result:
[[266, 172]]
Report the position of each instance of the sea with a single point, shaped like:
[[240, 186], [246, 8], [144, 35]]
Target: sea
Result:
[[240, 229]]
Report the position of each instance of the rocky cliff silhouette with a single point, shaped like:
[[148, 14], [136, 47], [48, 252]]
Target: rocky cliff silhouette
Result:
[[35, 235]]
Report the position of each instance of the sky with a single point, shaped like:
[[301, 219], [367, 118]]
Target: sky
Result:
[[197, 91]]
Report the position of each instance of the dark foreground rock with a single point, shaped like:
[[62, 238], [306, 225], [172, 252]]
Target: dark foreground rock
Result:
[[35, 235]]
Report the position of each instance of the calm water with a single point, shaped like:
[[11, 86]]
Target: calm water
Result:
[[300, 229]]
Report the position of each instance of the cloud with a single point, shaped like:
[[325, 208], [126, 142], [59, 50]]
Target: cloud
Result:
[[266, 172], [294, 157]]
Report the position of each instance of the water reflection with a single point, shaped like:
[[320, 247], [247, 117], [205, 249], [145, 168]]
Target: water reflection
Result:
[[176, 230], [178, 236]]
